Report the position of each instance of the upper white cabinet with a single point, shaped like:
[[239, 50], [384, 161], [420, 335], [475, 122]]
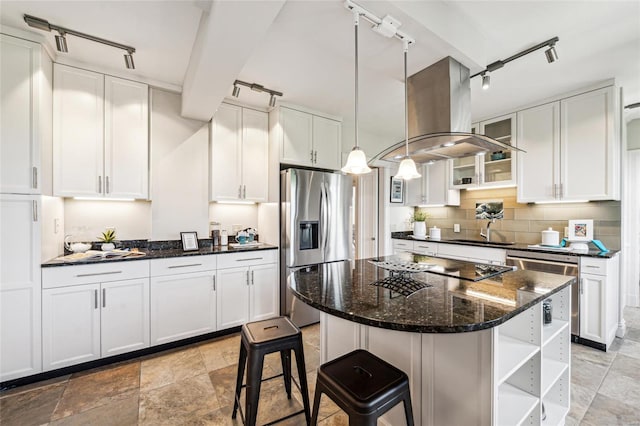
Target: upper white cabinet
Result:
[[305, 139], [239, 154], [492, 169], [432, 189], [20, 291], [25, 122], [101, 143], [571, 150]]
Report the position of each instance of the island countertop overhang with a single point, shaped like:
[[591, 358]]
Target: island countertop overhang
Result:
[[448, 305]]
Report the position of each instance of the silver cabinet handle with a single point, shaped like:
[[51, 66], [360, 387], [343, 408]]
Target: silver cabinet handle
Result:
[[244, 191], [106, 184], [99, 273], [252, 282], [581, 285], [591, 266], [214, 283], [561, 190], [34, 204], [247, 277], [312, 156], [239, 191], [95, 299], [555, 193], [104, 297], [184, 266], [315, 157], [35, 177], [99, 184], [249, 258]]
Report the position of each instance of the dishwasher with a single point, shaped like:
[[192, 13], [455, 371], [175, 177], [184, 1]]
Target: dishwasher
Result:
[[562, 264]]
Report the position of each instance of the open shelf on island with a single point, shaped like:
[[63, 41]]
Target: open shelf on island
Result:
[[513, 354], [552, 370], [550, 331], [556, 414], [515, 405]]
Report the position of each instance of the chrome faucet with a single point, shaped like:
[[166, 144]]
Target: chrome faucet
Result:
[[487, 235]]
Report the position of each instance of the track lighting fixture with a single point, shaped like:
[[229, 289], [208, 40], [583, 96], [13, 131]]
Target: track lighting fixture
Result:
[[486, 81], [256, 88], [61, 40], [550, 53]]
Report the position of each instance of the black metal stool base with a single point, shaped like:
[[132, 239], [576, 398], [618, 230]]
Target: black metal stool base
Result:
[[364, 386], [257, 340]]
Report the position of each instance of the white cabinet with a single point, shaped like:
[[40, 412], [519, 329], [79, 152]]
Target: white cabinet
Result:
[[247, 293], [401, 246], [100, 135], [433, 188], [571, 149], [25, 88], [94, 311], [473, 253], [305, 139], [599, 299], [20, 291], [492, 169], [239, 154], [183, 297]]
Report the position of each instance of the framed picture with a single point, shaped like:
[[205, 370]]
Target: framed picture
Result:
[[580, 230], [189, 241], [397, 190]]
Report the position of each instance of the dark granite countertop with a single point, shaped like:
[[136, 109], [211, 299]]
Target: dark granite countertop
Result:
[[448, 305], [162, 250], [406, 235]]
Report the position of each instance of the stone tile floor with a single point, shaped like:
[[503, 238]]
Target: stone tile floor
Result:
[[194, 385]]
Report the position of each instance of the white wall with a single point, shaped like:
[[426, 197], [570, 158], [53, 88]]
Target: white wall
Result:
[[52, 227], [86, 220], [268, 223], [179, 170], [228, 215]]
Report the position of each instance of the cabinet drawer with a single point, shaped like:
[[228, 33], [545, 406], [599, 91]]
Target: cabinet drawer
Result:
[[403, 244], [183, 265], [63, 276], [593, 266], [430, 249], [258, 257]]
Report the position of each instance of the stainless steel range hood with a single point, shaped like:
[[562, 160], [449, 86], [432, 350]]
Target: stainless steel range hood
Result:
[[440, 117]]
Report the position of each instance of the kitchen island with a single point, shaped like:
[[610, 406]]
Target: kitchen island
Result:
[[476, 352]]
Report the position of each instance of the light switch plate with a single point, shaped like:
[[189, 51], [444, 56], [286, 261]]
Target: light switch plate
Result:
[[456, 227]]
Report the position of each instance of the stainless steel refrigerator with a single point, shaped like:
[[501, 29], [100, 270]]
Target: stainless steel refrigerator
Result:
[[315, 228]]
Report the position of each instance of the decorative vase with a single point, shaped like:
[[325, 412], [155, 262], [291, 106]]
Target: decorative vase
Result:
[[420, 229], [107, 246]]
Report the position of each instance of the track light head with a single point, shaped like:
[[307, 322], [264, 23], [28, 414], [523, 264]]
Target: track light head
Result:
[[486, 81], [551, 53], [61, 42], [236, 91], [128, 61], [272, 101]]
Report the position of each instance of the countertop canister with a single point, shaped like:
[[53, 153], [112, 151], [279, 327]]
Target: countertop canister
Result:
[[434, 233], [550, 237]]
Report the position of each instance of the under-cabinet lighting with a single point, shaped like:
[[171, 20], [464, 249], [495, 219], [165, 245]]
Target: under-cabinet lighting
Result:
[[102, 199], [561, 201], [431, 205], [236, 202], [490, 298], [513, 185]]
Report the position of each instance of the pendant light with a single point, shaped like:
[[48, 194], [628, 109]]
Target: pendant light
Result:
[[407, 169], [357, 161]]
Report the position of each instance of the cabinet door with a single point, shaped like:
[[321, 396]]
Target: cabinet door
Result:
[[233, 297], [296, 137], [126, 138], [327, 146], [20, 288], [539, 166], [464, 168], [588, 152], [255, 155], [416, 189], [226, 151], [437, 190], [70, 325], [78, 117], [19, 94], [125, 316], [592, 307], [498, 171], [263, 298], [182, 305]]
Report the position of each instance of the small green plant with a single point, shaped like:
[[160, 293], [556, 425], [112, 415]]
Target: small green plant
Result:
[[419, 216], [108, 236]]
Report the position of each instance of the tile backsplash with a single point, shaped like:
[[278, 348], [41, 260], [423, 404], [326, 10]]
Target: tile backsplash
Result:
[[523, 223]]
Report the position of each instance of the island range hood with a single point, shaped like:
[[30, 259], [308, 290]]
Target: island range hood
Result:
[[440, 117]]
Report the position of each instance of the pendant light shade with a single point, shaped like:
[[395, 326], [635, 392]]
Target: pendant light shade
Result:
[[357, 160], [407, 169]]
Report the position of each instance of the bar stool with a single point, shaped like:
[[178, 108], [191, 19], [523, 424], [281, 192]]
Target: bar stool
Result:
[[260, 338], [364, 386]]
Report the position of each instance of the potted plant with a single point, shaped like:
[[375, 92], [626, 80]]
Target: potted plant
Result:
[[108, 238], [419, 220]]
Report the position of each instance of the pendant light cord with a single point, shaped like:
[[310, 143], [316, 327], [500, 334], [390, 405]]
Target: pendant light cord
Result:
[[405, 44], [356, 21]]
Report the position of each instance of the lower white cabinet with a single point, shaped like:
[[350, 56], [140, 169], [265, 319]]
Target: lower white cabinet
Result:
[[93, 311], [490, 255], [248, 293], [599, 299], [182, 305]]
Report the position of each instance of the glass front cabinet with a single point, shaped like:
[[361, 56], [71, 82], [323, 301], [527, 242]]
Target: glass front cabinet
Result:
[[494, 168]]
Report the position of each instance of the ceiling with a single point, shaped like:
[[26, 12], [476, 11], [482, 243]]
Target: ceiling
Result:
[[307, 50]]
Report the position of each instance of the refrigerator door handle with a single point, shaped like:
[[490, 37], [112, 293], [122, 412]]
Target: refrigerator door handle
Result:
[[325, 219]]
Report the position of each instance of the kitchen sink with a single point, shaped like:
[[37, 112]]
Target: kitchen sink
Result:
[[494, 243]]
